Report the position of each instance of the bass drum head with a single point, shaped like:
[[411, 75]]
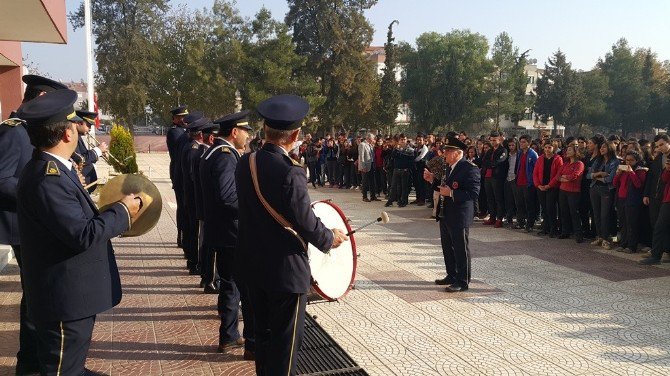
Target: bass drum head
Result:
[[333, 273]]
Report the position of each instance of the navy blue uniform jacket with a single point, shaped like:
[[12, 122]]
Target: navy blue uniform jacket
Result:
[[90, 157], [217, 177], [15, 152], [273, 258], [197, 185], [459, 211], [176, 137], [69, 270]]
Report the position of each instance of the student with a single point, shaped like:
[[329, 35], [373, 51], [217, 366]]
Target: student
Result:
[[547, 167], [569, 181], [629, 183], [602, 173]]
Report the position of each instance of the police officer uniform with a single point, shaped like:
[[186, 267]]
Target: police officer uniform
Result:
[[69, 269], [190, 230], [455, 216], [221, 219], [176, 137], [274, 259], [85, 157], [15, 152], [197, 194]]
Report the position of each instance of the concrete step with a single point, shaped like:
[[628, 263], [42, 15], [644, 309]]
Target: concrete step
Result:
[[6, 255]]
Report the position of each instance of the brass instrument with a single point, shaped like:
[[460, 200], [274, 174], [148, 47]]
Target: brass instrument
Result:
[[152, 203], [93, 142]]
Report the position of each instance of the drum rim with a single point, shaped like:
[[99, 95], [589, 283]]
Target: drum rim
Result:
[[353, 251]]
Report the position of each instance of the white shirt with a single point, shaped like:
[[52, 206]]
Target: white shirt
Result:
[[62, 160], [422, 153]]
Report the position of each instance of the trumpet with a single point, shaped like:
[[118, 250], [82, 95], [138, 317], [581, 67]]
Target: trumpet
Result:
[[93, 142]]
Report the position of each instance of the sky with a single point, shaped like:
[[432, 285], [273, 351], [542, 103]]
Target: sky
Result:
[[584, 30]]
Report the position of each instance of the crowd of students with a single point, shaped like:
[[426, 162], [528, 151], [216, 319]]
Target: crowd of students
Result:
[[614, 192]]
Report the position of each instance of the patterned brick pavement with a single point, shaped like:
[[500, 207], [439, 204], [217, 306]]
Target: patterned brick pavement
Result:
[[538, 307]]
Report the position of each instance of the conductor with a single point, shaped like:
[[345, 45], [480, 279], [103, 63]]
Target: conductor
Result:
[[276, 222]]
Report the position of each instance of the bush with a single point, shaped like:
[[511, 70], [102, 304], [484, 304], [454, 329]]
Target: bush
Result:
[[122, 147]]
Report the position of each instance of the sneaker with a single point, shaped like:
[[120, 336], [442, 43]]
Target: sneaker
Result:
[[498, 224], [598, 241], [365, 199], [606, 245], [388, 204]]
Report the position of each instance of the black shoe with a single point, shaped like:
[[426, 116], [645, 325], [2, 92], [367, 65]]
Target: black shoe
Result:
[[579, 239], [552, 235], [430, 205], [194, 270], [542, 233], [456, 287], [313, 185], [563, 236], [388, 204], [651, 260], [211, 289], [445, 281], [375, 199], [365, 199], [402, 205], [414, 202]]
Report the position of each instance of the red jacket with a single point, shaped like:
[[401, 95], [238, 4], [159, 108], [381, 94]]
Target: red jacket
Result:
[[666, 190], [573, 172], [636, 179], [538, 172]]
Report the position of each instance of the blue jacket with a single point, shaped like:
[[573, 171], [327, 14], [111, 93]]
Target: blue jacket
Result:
[[465, 181], [15, 152], [530, 165], [610, 168]]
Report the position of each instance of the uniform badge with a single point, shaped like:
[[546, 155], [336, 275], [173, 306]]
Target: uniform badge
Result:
[[52, 169], [225, 150], [194, 146], [454, 185]]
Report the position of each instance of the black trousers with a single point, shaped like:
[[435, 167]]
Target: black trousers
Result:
[[419, 183], [602, 199], [63, 346], [179, 197], [229, 297], [190, 237], [368, 184], [629, 220], [456, 252], [380, 180], [571, 222], [27, 355], [400, 186], [482, 201], [280, 321], [548, 202], [314, 173], [661, 238], [527, 205], [495, 196], [511, 198]]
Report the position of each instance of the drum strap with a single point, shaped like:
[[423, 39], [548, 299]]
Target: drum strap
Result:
[[277, 217]]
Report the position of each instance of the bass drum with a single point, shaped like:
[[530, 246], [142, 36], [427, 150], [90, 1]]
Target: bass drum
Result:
[[333, 273]]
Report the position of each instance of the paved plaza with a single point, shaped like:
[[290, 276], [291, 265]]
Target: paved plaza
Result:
[[537, 306]]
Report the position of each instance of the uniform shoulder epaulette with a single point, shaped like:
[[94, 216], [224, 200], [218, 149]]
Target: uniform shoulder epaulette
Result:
[[52, 169], [12, 122], [195, 146], [225, 149], [292, 161]]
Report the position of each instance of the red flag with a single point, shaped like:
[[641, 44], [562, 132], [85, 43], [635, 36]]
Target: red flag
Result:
[[95, 109]]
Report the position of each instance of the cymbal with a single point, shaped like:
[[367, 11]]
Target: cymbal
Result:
[[152, 203]]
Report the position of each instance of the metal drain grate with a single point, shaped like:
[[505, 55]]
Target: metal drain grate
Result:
[[321, 355]]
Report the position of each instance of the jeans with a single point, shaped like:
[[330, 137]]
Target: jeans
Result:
[[399, 186], [602, 199], [548, 201], [510, 200]]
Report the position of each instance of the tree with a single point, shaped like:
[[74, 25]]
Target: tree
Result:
[[508, 81], [655, 79], [591, 104], [557, 92], [629, 100], [333, 35], [271, 66], [389, 95], [445, 79], [126, 33]]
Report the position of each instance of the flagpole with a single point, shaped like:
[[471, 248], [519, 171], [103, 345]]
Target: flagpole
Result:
[[89, 56]]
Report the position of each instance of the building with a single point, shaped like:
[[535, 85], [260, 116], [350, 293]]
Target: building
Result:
[[377, 55], [40, 21], [531, 123]]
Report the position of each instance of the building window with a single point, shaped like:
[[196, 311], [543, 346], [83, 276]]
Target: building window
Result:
[[528, 116], [531, 80]]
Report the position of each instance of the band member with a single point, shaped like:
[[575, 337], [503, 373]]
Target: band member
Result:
[[190, 229], [274, 202], [69, 269], [221, 218], [175, 139], [15, 152], [458, 192], [83, 156]]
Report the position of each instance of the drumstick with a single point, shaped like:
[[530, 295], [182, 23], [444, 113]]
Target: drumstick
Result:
[[87, 186], [384, 218]]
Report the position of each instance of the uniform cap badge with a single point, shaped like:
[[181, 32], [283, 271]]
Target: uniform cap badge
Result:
[[52, 169]]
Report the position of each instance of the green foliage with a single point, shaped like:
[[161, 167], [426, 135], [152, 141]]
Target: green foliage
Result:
[[445, 79], [389, 95], [127, 54], [557, 91], [122, 148], [332, 35], [591, 103]]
